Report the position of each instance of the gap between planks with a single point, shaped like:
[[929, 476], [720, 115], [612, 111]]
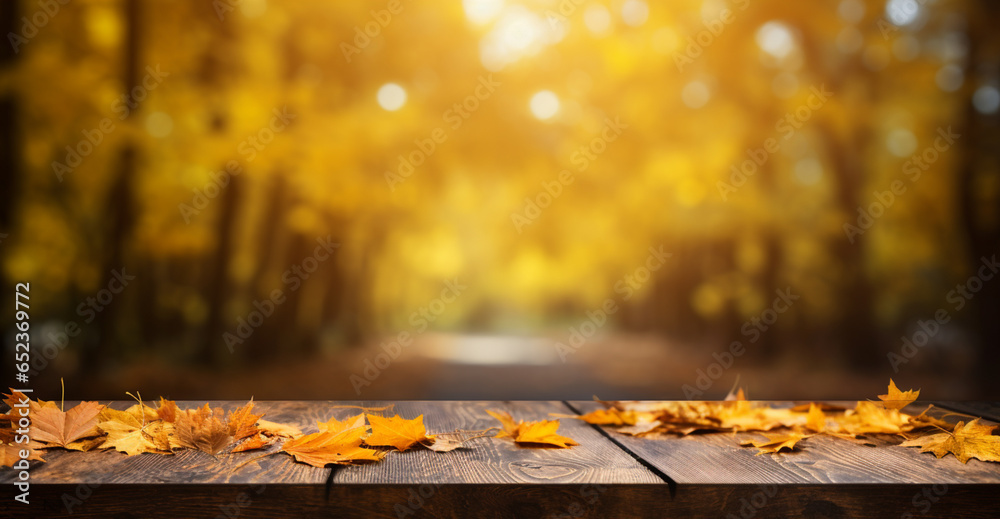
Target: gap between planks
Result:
[[671, 484]]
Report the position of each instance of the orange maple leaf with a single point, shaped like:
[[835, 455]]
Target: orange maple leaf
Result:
[[531, 434], [397, 432], [243, 422], [55, 428], [897, 399], [202, 429], [323, 448]]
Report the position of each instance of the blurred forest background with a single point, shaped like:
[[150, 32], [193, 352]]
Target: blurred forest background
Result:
[[417, 135]]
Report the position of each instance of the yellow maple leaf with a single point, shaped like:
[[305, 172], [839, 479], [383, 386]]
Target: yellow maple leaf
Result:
[[869, 417], [896, 399], [397, 432], [970, 440], [775, 442], [130, 438]]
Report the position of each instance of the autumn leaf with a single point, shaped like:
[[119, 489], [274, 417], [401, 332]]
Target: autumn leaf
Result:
[[168, 410], [869, 417], [816, 420], [509, 428], [897, 399], [969, 440], [775, 442], [397, 432], [335, 426], [610, 416], [242, 422], [202, 429], [542, 433], [279, 430], [257, 441], [10, 451], [54, 428], [128, 437], [323, 448]]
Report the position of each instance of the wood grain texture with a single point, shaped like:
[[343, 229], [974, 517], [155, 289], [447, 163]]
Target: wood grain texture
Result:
[[187, 466], [492, 460], [709, 475], [700, 459], [487, 461]]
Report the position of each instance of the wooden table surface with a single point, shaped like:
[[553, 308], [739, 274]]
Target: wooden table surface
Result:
[[608, 475]]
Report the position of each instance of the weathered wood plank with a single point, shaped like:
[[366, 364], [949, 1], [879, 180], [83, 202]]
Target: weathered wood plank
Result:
[[488, 461], [503, 501], [187, 466], [712, 459]]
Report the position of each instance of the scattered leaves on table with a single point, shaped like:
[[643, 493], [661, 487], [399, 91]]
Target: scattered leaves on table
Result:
[[368, 437], [790, 426]]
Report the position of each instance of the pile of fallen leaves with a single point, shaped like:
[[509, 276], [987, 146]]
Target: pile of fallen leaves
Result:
[[166, 429], [785, 428]]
